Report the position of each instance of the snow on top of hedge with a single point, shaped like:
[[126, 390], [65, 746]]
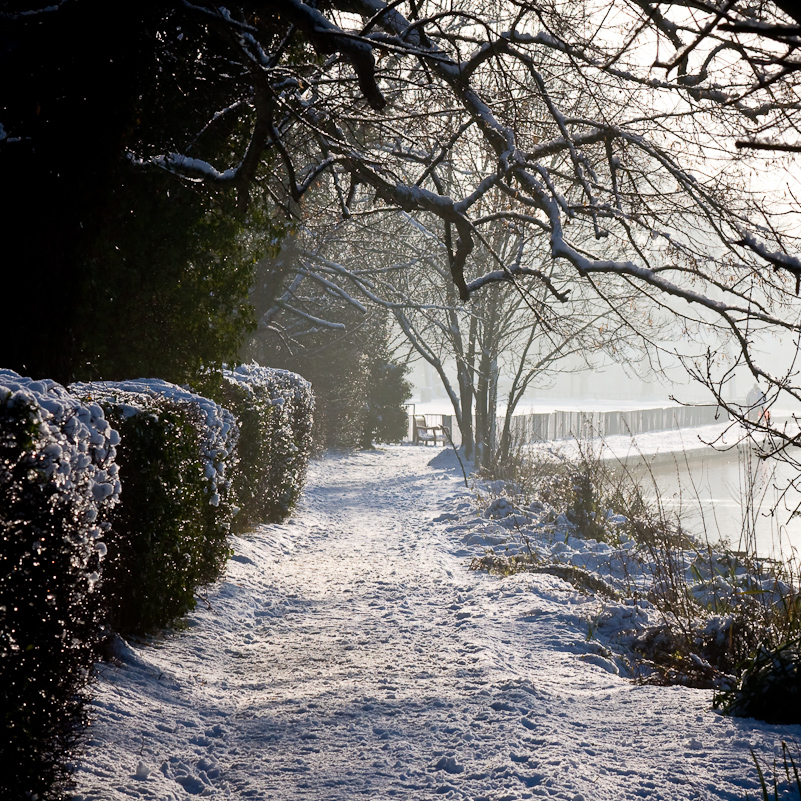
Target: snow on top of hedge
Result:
[[75, 446], [220, 429], [286, 381]]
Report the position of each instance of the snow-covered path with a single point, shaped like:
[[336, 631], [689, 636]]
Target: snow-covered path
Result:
[[350, 653]]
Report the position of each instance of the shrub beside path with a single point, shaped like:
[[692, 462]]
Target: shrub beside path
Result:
[[350, 653]]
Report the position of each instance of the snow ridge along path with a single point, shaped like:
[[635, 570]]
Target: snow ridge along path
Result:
[[349, 653]]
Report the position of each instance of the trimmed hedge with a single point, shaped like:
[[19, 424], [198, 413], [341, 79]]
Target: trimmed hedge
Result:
[[62, 512], [275, 412], [170, 533], [58, 483]]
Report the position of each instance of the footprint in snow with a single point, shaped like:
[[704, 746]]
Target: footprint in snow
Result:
[[601, 662], [449, 765]]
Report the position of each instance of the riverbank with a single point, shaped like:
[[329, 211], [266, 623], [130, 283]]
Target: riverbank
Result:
[[710, 478]]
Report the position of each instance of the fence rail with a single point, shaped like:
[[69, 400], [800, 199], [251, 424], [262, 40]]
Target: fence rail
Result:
[[547, 426]]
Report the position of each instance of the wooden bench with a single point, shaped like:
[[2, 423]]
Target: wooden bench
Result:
[[424, 433]]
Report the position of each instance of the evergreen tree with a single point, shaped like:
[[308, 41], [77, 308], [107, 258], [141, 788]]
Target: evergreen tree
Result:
[[343, 349], [385, 417], [114, 269]]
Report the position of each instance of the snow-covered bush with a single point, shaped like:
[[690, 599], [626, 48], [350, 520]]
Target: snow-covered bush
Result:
[[710, 610], [274, 409], [170, 533], [58, 483]]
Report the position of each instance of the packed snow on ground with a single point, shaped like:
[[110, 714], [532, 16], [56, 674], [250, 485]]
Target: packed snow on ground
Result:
[[350, 652]]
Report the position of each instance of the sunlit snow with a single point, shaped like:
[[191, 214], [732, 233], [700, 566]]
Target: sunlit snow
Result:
[[351, 653]]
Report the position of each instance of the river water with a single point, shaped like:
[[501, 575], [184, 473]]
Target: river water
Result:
[[731, 496]]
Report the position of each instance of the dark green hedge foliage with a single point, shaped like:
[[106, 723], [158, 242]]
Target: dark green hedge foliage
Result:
[[60, 513], [57, 480], [170, 533], [274, 409]]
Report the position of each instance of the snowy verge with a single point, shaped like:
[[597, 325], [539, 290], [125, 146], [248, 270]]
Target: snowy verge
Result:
[[671, 609], [648, 446]]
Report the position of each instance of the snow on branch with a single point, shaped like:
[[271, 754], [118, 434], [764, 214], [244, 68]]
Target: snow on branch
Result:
[[510, 273], [335, 289], [310, 317], [33, 12], [187, 167], [328, 38], [777, 258]]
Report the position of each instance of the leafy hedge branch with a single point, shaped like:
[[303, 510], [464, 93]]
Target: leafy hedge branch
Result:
[[58, 488]]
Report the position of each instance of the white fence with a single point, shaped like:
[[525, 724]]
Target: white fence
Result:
[[547, 426]]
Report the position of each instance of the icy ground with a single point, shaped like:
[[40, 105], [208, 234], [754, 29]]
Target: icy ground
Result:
[[350, 653]]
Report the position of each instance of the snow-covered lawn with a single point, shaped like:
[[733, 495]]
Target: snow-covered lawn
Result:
[[351, 653]]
